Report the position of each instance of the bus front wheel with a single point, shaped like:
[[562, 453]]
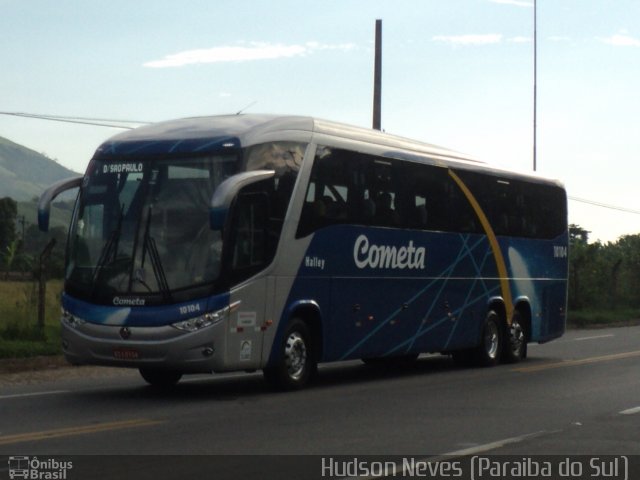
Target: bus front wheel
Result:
[[160, 378], [296, 364]]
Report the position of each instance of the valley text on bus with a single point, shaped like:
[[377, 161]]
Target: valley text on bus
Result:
[[251, 242]]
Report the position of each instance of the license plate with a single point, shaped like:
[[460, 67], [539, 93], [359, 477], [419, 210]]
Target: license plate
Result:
[[126, 354]]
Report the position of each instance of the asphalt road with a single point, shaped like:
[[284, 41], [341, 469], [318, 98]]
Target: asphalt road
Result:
[[578, 395]]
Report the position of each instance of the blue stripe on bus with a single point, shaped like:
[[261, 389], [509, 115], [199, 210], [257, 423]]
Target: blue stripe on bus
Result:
[[159, 147], [143, 316], [387, 311]]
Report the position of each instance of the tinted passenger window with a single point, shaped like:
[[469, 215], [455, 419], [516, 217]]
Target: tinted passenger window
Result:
[[328, 197], [356, 188], [434, 202], [519, 208], [250, 230], [361, 189]]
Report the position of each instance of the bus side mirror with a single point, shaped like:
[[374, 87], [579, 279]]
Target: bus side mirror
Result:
[[227, 191], [44, 204]]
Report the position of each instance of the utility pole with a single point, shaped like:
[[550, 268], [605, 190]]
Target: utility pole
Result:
[[535, 85], [377, 77], [21, 221], [42, 282]]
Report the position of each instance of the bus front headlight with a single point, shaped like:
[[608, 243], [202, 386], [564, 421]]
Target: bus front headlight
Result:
[[196, 323], [70, 320]]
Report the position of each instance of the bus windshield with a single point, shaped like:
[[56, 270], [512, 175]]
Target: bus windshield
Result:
[[142, 227]]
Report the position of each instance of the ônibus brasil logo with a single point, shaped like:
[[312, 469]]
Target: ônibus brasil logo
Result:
[[370, 255], [38, 469]]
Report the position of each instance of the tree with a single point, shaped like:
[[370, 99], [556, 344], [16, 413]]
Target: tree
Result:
[[8, 214], [603, 276], [578, 258], [35, 241], [629, 246], [578, 235]]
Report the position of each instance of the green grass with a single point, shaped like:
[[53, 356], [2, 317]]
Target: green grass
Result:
[[19, 332], [603, 318]]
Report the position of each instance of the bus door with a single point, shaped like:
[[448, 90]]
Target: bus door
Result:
[[248, 256]]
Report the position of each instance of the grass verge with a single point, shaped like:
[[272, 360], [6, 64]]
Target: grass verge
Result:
[[603, 318], [20, 335]]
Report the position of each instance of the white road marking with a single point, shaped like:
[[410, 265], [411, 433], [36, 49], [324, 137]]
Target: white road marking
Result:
[[593, 338], [446, 457], [488, 446], [630, 411], [34, 394], [565, 339]]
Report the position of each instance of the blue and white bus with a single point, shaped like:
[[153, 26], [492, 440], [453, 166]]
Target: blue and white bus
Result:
[[251, 242]]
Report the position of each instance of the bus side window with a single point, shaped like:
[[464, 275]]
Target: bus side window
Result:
[[420, 214], [386, 214], [329, 192], [314, 212], [249, 233], [368, 208], [380, 205]]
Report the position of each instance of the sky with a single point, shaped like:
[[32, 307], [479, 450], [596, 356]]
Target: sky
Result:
[[456, 73]]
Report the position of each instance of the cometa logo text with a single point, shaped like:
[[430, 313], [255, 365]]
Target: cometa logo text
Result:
[[370, 255], [129, 302]]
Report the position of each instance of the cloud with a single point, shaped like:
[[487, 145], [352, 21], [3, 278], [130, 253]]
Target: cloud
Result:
[[517, 3], [621, 40], [464, 40], [559, 38], [241, 53], [520, 40]]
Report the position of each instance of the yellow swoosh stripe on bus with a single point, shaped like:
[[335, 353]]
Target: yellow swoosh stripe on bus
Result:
[[493, 242]]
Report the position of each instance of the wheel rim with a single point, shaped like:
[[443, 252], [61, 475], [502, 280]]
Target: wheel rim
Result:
[[295, 353], [491, 340], [516, 337]]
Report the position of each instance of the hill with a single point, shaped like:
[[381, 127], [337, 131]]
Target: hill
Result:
[[25, 173]]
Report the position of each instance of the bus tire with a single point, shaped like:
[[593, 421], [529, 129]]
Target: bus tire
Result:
[[489, 350], [515, 348], [160, 378], [296, 360]]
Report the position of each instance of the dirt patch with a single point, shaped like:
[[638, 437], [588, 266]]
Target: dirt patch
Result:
[[33, 370], [15, 365]]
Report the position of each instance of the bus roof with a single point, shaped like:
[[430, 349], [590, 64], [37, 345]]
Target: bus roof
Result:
[[243, 125], [200, 134]]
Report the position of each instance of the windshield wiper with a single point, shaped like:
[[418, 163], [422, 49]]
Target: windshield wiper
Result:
[[149, 244], [111, 245]]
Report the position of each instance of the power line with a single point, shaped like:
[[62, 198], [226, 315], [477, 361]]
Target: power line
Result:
[[98, 122], [117, 123], [48, 116], [604, 205]]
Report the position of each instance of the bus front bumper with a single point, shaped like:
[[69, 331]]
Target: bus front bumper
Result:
[[161, 347]]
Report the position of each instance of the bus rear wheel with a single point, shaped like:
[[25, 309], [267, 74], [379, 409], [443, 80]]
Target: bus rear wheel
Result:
[[515, 348], [160, 378], [489, 350], [297, 363]]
